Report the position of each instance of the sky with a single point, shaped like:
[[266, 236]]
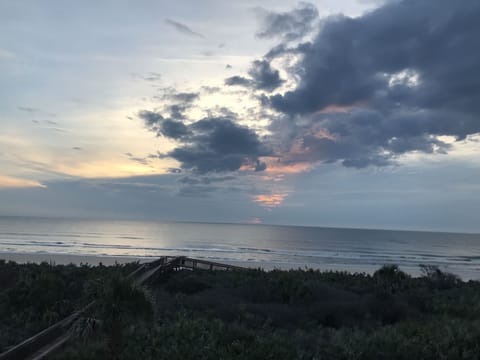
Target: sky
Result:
[[354, 113]]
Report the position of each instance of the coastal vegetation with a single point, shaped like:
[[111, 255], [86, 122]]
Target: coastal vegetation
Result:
[[245, 314]]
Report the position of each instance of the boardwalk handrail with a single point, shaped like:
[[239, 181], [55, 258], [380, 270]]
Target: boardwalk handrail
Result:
[[37, 341], [211, 264], [46, 341]]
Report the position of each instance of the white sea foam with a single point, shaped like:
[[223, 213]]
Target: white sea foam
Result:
[[269, 246]]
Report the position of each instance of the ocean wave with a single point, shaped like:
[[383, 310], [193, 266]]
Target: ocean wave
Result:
[[242, 253], [283, 246]]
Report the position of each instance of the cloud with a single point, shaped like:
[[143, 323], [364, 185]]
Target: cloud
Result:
[[152, 76], [173, 170], [260, 165], [263, 77], [218, 144], [270, 200], [384, 84], [140, 160], [13, 182], [184, 97], [177, 103], [362, 92], [27, 109], [212, 144], [163, 126], [210, 89], [184, 29], [238, 81], [206, 185], [288, 25], [5, 54], [197, 191], [205, 180]]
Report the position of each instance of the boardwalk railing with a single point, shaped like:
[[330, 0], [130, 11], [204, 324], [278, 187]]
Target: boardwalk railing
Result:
[[190, 263], [52, 338]]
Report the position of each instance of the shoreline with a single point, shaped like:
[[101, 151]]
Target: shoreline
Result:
[[93, 260], [77, 259], [108, 260], [66, 259]]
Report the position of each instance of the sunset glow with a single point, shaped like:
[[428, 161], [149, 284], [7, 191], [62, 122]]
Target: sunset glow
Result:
[[222, 111], [11, 182], [272, 200]]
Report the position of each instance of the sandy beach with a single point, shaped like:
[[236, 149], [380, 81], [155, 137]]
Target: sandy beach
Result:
[[64, 259], [93, 260]]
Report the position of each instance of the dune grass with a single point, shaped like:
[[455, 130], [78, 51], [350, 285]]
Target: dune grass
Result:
[[247, 314]]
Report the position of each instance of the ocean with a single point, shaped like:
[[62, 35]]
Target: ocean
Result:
[[267, 246]]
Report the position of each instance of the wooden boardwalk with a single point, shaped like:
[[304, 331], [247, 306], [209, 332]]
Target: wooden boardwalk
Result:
[[54, 337]]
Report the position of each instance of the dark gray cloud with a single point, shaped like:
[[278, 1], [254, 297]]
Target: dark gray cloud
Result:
[[174, 129], [260, 166], [369, 89], [184, 29], [218, 144], [288, 25], [176, 103], [177, 111], [285, 49], [151, 119], [152, 76], [263, 77], [201, 190], [386, 83], [185, 97], [205, 180], [182, 102], [361, 138], [212, 144], [163, 126], [141, 160], [197, 191], [238, 81], [174, 170], [170, 94]]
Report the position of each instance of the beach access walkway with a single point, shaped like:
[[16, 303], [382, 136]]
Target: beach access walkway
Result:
[[46, 342]]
